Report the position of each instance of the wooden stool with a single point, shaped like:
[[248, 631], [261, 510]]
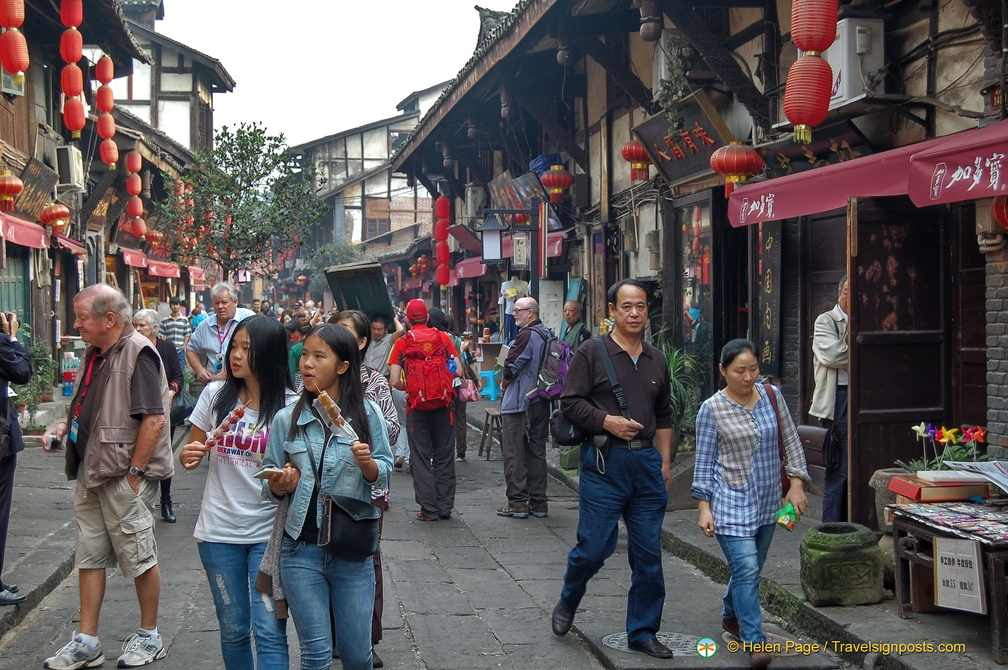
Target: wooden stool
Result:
[[491, 425]]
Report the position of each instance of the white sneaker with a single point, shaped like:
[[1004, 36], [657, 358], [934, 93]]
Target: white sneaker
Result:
[[75, 655], [140, 649]]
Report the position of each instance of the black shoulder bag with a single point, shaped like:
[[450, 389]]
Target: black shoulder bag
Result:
[[349, 526], [566, 433]]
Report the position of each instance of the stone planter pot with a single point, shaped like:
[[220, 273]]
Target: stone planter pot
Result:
[[841, 564], [879, 482]]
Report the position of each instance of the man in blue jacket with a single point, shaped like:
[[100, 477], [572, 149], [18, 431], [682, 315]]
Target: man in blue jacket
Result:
[[14, 367], [524, 424]]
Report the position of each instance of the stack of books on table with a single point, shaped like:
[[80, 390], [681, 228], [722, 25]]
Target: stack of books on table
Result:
[[965, 486]]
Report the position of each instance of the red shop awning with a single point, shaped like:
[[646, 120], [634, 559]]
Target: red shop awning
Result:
[[198, 276], [133, 258], [554, 245], [470, 268], [163, 269], [24, 233], [884, 174], [73, 246], [467, 238]]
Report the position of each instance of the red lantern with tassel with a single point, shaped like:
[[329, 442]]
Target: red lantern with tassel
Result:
[[105, 70], [810, 79], [134, 184], [736, 162], [999, 210], [71, 45], [135, 206], [443, 275], [557, 180], [414, 270], [10, 188], [109, 151], [634, 153], [55, 214], [134, 162], [14, 53], [442, 253], [73, 116], [104, 98], [71, 12]]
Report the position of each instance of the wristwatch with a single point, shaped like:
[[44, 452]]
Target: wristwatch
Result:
[[135, 471]]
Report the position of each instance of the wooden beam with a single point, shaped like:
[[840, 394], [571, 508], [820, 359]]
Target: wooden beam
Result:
[[468, 160], [544, 118], [620, 73], [719, 57], [427, 183]]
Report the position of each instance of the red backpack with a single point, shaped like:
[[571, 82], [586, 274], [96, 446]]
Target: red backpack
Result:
[[429, 384]]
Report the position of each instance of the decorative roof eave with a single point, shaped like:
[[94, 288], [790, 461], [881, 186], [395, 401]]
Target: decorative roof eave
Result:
[[223, 82], [498, 46], [122, 50]]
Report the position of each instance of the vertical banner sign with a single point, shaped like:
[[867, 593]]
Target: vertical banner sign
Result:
[[958, 575], [543, 231], [768, 298]]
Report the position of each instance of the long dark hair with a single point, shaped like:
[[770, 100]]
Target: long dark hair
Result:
[[343, 343], [266, 338], [442, 321]]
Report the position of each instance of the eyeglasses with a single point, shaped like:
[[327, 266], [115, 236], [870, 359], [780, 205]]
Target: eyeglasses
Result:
[[521, 309]]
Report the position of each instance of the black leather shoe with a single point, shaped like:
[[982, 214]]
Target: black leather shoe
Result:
[[562, 620], [167, 513], [376, 661], [653, 648], [8, 598], [13, 588]]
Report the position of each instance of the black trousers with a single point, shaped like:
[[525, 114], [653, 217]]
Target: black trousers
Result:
[[7, 467]]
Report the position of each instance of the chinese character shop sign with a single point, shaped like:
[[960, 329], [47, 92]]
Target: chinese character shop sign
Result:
[[768, 298], [684, 153]]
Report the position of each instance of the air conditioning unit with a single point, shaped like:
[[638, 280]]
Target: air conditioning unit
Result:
[[475, 200], [70, 166], [857, 59]]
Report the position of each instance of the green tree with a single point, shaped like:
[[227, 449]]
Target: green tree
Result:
[[335, 253], [240, 201]]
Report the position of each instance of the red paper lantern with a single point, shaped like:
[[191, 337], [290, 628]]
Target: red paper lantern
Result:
[[634, 153], [14, 53], [54, 213], [557, 180], [105, 70], [71, 12], [138, 227], [442, 208], [442, 254], [807, 95], [736, 162], [134, 163], [423, 263], [441, 230], [72, 80], [813, 24], [71, 45], [106, 126], [999, 210], [104, 98], [809, 82], [10, 188], [443, 275], [519, 219], [109, 151], [11, 13], [73, 116], [135, 206], [134, 184]]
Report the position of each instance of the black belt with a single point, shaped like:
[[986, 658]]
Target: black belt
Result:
[[632, 445]]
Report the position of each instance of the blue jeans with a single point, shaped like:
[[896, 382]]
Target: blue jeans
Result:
[[632, 487], [834, 504], [231, 570], [312, 579], [741, 599]]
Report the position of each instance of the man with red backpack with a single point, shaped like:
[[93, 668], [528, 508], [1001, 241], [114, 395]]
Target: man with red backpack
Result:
[[419, 364]]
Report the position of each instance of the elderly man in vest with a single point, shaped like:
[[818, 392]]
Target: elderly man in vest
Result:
[[117, 450]]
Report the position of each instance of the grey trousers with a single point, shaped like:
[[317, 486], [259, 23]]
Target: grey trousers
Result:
[[524, 446], [432, 447]]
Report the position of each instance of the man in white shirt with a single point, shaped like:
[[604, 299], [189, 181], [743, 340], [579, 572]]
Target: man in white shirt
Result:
[[209, 341]]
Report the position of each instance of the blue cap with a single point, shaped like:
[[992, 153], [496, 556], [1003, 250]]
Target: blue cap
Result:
[[694, 314]]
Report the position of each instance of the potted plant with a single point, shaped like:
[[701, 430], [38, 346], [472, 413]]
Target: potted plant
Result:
[[684, 396], [34, 392]]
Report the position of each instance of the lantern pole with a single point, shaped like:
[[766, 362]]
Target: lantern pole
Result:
[[537, 247]]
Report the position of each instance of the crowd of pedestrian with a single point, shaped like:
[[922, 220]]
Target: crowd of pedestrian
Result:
[[356, 397]]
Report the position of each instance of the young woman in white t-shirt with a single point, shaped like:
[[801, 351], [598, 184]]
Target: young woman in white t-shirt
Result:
[[235, 521]]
